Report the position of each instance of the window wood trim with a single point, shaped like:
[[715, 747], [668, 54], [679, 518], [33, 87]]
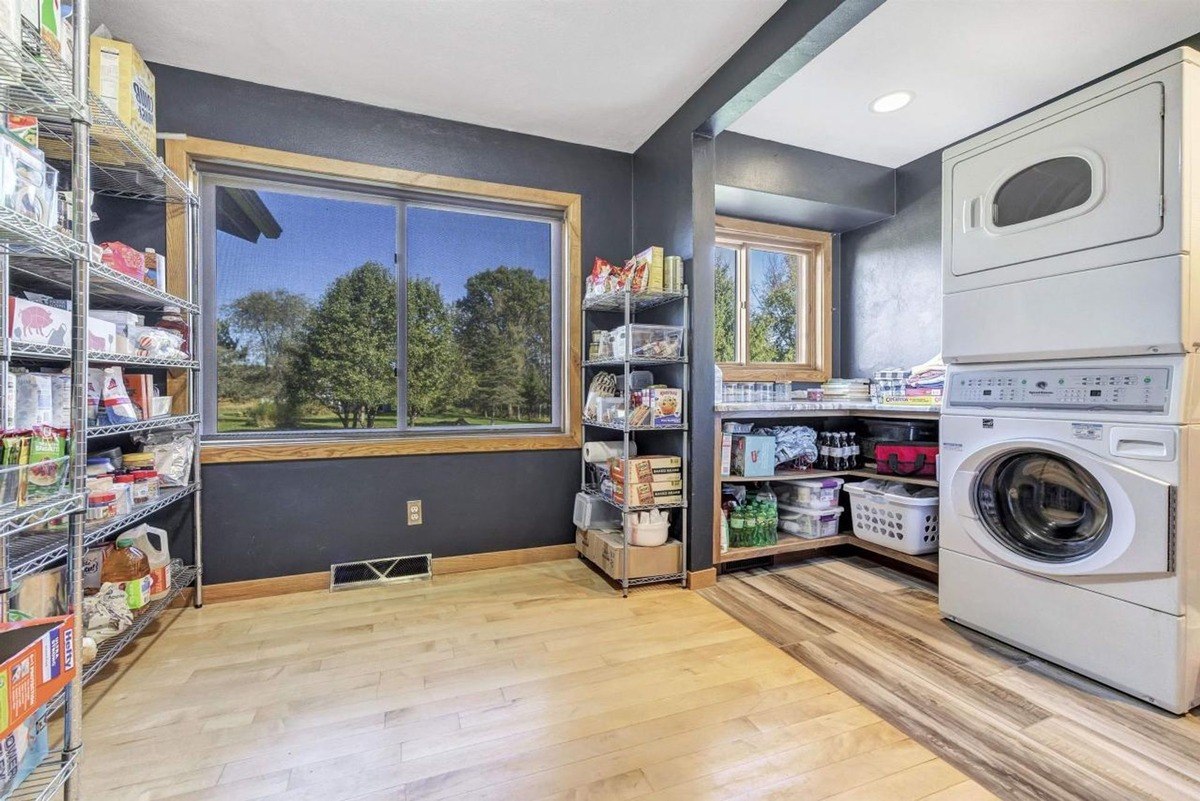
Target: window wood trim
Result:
[[182, 153], [818, 245]]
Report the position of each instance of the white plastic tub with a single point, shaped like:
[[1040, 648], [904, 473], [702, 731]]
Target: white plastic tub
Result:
[[812, 493], [892, 515], [648, 535], [810, 524]]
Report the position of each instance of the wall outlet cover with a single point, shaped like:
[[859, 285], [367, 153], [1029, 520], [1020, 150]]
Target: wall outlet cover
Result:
[[415, 517]]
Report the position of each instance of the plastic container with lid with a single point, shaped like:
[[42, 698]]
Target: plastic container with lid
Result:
[[101, 506], [123, 487], [812, 493], [139, 460], [129, 569], [810, 524], [145, 483]]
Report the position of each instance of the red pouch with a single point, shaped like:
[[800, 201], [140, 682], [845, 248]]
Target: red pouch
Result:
[[906, 458]]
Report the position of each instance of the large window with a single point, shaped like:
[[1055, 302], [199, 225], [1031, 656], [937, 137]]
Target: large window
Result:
[[772, 312], [345, 310]]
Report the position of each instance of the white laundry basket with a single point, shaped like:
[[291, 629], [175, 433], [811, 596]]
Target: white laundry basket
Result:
[[887, 514]]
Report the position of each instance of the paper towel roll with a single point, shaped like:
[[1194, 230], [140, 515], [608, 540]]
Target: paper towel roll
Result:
[[598, 452]]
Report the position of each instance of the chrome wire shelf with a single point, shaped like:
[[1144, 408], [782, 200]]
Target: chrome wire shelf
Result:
[[637, 582], [39, 85], [27, 350], [109, 289], [48, 777], [635, 361], [619, 427], [16, 520], [638, 301], [170, 421], [29, 553], [102, 357], [592, 490], [21, 235]]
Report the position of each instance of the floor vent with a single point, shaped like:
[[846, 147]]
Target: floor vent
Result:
[[374, 572]]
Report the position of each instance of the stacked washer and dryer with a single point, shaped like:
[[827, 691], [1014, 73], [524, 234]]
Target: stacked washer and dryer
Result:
[[1070, 435]]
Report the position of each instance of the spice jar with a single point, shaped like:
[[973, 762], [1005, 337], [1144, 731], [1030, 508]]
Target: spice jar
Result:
[[150, 479], [141, 488], [123, 489], [101, 506]]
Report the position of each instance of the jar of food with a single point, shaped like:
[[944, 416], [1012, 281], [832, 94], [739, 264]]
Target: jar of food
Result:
[[142, 460], [101, 506], [172, 320], [141, 487], [123, 489], [150, 477]]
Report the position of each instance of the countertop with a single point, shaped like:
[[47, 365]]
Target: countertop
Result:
[[767, 407]]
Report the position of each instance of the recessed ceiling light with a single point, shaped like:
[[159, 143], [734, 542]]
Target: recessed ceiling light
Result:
[[892, 101]]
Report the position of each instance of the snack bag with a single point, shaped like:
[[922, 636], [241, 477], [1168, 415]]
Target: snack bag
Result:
[[47, 468], [115, 399], [12, 479]]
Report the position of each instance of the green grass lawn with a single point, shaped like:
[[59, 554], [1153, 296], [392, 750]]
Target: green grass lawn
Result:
[[232, 417]]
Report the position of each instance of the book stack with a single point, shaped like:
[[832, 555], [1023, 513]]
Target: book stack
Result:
[[919, 388]]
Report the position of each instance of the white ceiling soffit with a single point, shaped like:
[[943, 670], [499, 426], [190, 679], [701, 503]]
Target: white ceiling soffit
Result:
[[969, 64], [596, 72]]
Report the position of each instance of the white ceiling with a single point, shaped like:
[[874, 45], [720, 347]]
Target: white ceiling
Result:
[[596, 72], [970, 64]]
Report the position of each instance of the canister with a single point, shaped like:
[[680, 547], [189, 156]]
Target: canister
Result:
[[673, 273]]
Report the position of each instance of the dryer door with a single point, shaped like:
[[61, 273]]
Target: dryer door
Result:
[[1053, 509]]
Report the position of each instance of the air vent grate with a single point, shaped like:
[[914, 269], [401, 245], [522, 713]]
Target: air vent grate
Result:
[[374, 572]]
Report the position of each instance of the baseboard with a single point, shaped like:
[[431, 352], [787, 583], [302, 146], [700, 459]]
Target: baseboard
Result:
[[442, 565], [699, 579]]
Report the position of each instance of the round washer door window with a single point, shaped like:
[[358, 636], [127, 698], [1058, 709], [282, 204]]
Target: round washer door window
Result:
[[1043, 506]]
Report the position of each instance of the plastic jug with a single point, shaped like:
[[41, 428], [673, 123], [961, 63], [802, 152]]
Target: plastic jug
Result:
[[145, 539], [129, 569]]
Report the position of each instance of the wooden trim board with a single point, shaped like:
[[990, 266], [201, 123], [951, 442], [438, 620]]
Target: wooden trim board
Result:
[[442, 566], [701, 579], [182, 156]]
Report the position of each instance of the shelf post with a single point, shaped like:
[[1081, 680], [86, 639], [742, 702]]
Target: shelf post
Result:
[[196, 386]]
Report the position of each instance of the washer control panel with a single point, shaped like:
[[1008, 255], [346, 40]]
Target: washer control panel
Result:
[[1132, 389]]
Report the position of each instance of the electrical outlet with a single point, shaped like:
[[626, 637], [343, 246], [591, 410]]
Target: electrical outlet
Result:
[[414, 513]]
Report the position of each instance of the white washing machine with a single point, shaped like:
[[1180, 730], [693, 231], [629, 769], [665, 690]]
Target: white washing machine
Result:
[[1069, 517], [1070, 232]]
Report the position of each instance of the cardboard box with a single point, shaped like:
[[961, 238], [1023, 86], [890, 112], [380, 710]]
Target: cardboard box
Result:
[[122, 80], [603, 549], [646, 468], [753, 455], [666, 406], [644, 493], [102, 335], [38, 324], [650, 264], [38, 661]]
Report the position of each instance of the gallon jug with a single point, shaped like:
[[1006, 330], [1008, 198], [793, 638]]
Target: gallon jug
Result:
[[153, 542], [129, 569]]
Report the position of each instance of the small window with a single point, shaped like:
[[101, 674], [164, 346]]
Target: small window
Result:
[[772, 313], [1046, 188]]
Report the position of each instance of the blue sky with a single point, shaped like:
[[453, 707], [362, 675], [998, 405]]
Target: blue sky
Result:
[[323, 238]]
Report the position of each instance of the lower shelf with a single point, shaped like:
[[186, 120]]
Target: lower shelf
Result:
[[47, 778], [182, 577], [791, 544]]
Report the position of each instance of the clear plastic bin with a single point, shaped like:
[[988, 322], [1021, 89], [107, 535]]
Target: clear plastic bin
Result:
[[810, 524], [811, 493], [647, 341]]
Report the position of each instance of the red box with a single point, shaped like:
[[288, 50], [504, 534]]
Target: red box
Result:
[[124, 259], [906, 458], [39, 660]]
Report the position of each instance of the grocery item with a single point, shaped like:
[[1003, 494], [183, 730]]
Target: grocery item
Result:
[[123, 489], [124, 259], [118, 409], [129, 569], [38, 595], [159, 343], [95, 388], [93, 561], [156, 269], [153, 542], [106, 613], [648, 270], [121, 79], [812, 493], [140, 387], [101, 506], [52, 25], [24, 127], [649, 493], [666, 406], [38, 323], [34, 404], [647, 468], [48, 465], [13, 475], [795, 446], [38, 661], [172, 452], [752, 455], [600, 452], [24, 749], [172, 320]]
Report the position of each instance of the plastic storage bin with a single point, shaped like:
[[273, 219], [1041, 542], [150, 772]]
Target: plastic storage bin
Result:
[[594, 512], [810, 524], [895, 516], [811, 493], [647, 341]]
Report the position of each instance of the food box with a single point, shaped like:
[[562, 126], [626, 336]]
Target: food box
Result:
[[24, 127], [650, 493], [52, 25], [646, 468], [38, 324], [753, 455], [124, 259], [122, 80], [102, 335], [38, 661], [604, 549], [666, 406], [648, 270]]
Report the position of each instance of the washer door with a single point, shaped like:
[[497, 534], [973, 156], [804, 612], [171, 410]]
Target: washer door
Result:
[[1054, 509]]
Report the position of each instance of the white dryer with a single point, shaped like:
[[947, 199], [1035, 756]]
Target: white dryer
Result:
[[1066, 232], [1066, 526]]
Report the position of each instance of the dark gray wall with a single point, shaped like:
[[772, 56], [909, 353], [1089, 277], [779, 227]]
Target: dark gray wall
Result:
[[891, 275], [272, 519], [773, 182]]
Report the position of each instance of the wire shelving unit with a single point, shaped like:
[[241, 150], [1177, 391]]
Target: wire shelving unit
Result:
[[629, 304], [95, 153]]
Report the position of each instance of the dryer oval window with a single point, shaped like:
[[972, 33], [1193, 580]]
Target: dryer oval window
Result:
[[1043, 506], [1043, 189]]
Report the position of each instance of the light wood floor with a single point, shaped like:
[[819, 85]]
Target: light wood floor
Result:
[[526, 683], [1021, 727]]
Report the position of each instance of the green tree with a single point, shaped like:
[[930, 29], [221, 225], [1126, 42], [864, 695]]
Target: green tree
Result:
[[265, 322], [504, 334], [725, 305], [775, 285], [435, 368], [345, 355]]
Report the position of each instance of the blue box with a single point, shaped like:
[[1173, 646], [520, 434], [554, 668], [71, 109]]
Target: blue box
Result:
[[753, 455]]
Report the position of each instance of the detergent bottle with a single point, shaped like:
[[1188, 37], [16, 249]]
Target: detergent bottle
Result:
[[153, 542]]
